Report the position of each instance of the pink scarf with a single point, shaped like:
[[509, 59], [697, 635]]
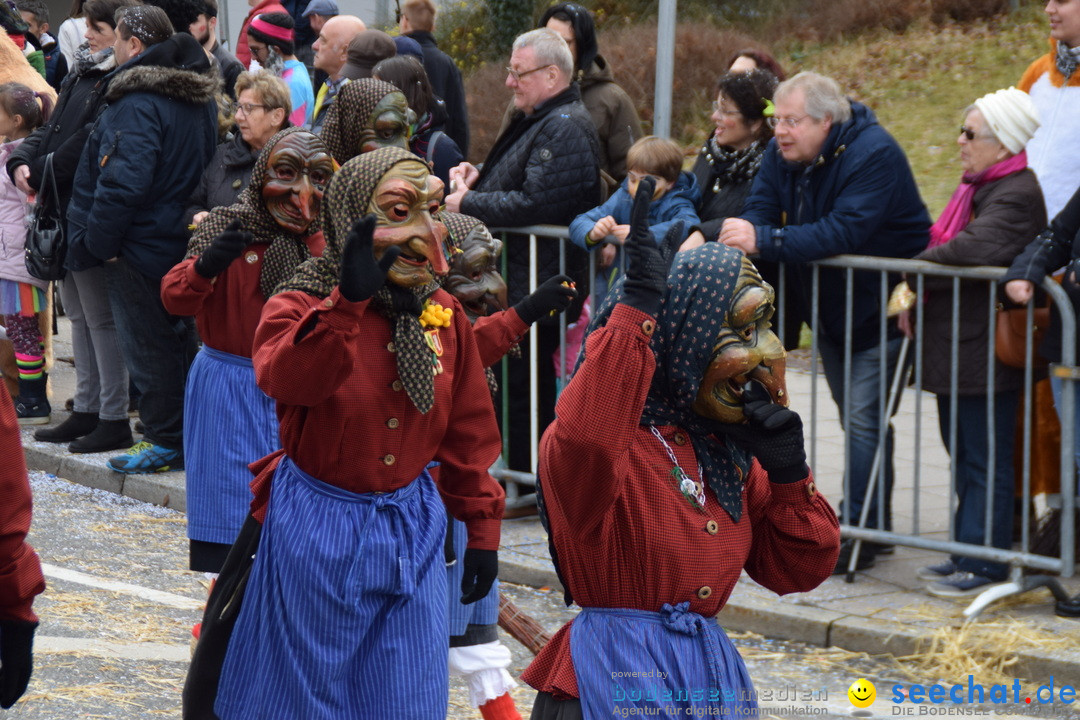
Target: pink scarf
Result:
[[957, 214]]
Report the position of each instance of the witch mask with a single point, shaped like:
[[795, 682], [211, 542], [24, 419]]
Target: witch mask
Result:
[[389, 125], [406, 204], [746, 350], [474, 277], [298, 171]]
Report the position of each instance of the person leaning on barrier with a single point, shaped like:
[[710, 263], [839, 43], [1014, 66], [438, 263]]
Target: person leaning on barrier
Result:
[[834, 181], [995, 211], [663, 477], [544, 168], [1058, 247], [726, 167]]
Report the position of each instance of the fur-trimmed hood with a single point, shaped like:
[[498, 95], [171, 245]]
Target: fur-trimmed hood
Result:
[[182, 85], [178, 69]]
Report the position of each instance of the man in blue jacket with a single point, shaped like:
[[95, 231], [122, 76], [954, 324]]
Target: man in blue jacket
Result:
[[834, 181], [142, 160]]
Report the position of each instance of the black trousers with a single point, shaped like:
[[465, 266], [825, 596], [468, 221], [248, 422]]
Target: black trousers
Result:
[[222, 610], [546, 707]]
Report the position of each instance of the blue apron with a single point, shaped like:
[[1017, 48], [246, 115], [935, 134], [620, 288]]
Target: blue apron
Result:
[[481, 612], [344, 617], [675, 660], [228, 423]]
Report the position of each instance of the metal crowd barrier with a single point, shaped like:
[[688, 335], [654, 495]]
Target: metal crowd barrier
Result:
[[1025, 565], [1027, 569]]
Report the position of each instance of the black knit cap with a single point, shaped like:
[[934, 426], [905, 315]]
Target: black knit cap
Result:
[[581, 20]]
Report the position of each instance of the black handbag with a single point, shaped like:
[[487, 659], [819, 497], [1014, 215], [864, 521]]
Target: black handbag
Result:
[[46, 245]]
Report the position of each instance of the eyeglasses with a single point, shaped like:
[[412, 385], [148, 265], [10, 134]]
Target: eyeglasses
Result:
[[717, 107], [518, 75], [246, 107], [970, 134], [789, 121]]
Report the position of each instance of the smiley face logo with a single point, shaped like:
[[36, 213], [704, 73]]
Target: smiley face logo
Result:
[[862, 693]]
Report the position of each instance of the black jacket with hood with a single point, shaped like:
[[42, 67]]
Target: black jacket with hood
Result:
[[143, 158]]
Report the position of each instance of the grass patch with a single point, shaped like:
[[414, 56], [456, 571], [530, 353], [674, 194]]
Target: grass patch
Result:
[[919, 81]]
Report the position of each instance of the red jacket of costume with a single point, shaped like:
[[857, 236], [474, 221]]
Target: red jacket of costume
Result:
[[228, 307], [347, 420], [20, 570], [497, 333], [625, 535]]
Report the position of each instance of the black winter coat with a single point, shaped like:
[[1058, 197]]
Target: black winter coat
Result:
[[143, 159], [228, 173], [82, 98], [1007, 213], [1056, 248], [446, 81], [543, 169]]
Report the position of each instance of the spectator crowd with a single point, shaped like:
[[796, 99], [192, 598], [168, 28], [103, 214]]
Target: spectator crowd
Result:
[[280, 258]]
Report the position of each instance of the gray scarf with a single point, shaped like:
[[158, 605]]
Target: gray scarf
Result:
[[1067, 59]]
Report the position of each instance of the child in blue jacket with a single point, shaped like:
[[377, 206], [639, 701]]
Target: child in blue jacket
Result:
[[675, 200]]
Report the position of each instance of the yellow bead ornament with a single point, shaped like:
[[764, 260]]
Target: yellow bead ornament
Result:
[[435, 315]]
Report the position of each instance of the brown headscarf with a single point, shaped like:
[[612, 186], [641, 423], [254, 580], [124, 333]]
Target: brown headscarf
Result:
[[286, 250], [347, 200], [350, 114]]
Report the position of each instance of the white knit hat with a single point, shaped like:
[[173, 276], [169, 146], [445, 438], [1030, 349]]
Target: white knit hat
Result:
[[1011, 116]]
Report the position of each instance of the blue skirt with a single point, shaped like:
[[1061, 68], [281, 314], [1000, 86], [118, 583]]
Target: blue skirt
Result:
[[228, 423], [674, 660], [344, 616], [481, 612]]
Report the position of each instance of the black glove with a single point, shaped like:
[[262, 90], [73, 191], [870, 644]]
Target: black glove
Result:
[[773, 433], [361, 274], [481, 568], [225, 248], [16, 659], [405, 300], [550, 297], [647, 265]]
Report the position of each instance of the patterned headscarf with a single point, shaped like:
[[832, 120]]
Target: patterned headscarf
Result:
[[346, 201], [286, 250], [699, 289], [459, 226], [350, 114]]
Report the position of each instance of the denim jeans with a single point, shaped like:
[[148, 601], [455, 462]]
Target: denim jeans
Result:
[[158, 349], [862, 426], [1056, 384], [970, 458]]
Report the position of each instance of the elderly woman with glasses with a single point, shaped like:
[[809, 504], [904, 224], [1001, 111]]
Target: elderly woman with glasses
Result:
[[262, 109], [994, 213]]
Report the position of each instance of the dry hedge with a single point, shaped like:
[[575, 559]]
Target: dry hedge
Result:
[[702, 50]]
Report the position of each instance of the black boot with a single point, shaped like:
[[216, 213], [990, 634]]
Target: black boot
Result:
[[77, 425], [32, 405], [108, 435]]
